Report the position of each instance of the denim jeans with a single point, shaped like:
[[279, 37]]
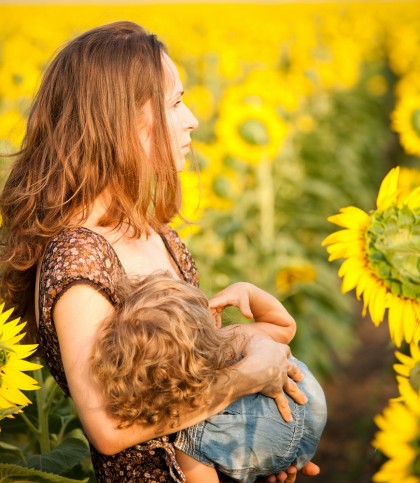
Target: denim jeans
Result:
[[250, 439]]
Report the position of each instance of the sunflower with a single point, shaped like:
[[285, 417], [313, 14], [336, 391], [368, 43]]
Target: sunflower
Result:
[[251, 132], [398, 439], [406, 122], [382, 257], [294, 274], [12, 363]]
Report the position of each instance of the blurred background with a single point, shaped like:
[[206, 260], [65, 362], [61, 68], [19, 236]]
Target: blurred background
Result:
[[303, 108]]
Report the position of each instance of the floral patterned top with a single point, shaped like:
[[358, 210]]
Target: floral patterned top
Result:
[[81, 256]]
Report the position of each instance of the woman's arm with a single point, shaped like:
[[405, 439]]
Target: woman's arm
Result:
[[270, 315], [77, 315]]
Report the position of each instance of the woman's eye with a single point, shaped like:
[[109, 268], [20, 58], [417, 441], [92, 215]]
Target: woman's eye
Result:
[[177, 103]]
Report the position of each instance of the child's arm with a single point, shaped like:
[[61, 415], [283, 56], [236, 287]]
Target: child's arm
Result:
[[271, 317]]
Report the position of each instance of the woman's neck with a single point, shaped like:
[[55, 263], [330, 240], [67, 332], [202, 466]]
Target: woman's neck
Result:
[[99, 208]]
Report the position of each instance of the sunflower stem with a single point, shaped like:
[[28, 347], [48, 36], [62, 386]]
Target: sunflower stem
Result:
[[50, 397], [30, 425], [63, 429], [266, 199], [42, 401]]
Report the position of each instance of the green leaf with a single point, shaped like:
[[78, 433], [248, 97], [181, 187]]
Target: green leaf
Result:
[[9, 447], [62, 458], [18, 474]]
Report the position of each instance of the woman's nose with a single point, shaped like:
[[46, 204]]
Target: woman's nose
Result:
[[191, 122]]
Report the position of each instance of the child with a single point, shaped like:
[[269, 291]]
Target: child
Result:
[[159, 355]]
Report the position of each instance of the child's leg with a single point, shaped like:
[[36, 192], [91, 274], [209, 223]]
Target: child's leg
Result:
[[195, 471]]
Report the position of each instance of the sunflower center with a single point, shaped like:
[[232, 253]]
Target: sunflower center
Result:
[[415, 121], [415, 377], [254, 132], [393, 238]]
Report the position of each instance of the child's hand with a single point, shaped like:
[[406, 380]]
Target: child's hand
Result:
[[236, 295]]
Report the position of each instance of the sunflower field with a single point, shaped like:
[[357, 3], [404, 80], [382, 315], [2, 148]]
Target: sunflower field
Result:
[[304, 109]]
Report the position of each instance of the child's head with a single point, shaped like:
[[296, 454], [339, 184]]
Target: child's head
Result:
[[159, 352]]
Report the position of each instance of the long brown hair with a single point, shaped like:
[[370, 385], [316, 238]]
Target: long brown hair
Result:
[[82, 140], [159, 354]]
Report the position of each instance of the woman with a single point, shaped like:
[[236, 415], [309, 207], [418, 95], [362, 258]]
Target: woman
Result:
[[88, 200]]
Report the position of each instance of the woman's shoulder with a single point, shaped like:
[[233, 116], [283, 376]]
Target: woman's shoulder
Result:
[[80, 254], [77, 236]]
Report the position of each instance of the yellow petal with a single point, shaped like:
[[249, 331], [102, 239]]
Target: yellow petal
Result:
[[368, 292], [406, 360], [4, 316], [19, 380], [22, 365], [343, 250], [24, 350], [410, 323], [342, 236], [395, 317], [402, 370], [388, 190], [10, 329], [362, 284], [351, 279], [350, 217], [13, 395], [415, 349], [4, 403], [413, 199], [377, 304]]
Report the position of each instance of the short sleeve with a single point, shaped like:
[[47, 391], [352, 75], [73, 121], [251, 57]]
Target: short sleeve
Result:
[[74, 256]]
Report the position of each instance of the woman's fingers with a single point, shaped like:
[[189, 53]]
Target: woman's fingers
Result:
[[283, 406], [292, 389], [293, 371]]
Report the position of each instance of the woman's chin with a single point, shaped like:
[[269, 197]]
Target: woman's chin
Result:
[[180, 164]]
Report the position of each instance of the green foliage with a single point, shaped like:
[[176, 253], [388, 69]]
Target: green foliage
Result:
[[47, 436], [279, 218], [62, 458], [16, 474]]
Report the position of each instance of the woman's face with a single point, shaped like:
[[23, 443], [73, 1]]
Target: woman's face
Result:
[[179, 118]]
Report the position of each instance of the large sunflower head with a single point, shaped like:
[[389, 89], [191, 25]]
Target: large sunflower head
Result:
[[12, 364], [382, 258]]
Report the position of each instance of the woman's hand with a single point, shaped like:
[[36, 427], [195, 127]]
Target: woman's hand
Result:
[[269, 370], [289, 475]]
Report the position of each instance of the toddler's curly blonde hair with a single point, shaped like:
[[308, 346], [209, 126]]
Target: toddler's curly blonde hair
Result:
[[159, 352]]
